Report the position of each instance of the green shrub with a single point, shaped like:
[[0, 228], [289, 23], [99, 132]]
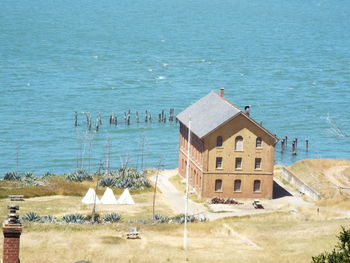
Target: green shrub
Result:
[[340, 254]]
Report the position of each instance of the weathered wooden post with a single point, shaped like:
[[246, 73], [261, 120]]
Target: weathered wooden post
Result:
[[128, 119], [294, 151], [282, 145], [137, 117], [307, 145], [76, 119], [159, 117], [286, 140], [97, 124], [90, 123], [296, 143], [146, 116], [99, 118]]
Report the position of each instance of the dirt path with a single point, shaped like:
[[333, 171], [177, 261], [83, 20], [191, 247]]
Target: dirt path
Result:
[[242, 238]]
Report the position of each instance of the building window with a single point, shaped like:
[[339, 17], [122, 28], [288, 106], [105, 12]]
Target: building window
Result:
[[219, 141], [239, 143], [258, 143], [257, 163], [257, 184], [218, 185], [238, 164], [218, 162], [237, 186]]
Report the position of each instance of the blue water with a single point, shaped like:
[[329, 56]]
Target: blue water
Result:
[[290, 60]]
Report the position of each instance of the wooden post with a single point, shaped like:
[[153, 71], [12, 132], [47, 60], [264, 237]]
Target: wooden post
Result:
[[137, 117], [97, 124], [286, 140], [146, 116], [76, 119], [307, 145], [159, 117], [282, 145]]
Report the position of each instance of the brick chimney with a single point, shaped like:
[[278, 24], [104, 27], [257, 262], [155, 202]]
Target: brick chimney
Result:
[[222, 92], [12, 230]]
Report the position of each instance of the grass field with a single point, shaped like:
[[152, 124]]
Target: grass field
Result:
[[280, 237], [283, 236]]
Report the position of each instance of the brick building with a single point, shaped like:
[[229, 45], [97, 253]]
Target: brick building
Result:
[[231, 155]]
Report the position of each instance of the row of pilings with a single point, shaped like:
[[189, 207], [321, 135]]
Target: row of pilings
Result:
[[126, 118], [294, 145]]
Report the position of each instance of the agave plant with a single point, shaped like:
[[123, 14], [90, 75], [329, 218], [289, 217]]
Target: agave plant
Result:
[[48, 219], [31, 217], [73, 219], [111, 218], [12, 176], [162, 219], [79, 176], [29, 178], [108, 181], [47, 175]]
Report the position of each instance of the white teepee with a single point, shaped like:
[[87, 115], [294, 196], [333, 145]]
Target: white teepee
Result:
[[89, 197], [125, 198], [108, 197]]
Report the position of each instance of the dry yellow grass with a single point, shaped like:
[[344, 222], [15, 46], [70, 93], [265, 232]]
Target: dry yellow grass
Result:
[[282, 238]]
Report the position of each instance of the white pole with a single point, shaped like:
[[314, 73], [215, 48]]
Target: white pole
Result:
[[187, 172]]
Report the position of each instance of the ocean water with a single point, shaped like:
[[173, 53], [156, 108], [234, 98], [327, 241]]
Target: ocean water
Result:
[[289, 60]]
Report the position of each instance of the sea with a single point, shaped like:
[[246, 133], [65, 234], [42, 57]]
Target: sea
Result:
[[288, 60]]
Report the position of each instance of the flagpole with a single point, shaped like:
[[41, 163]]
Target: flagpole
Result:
[[187, 172]]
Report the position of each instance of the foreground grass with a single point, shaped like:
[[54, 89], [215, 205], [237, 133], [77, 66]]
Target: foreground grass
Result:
[[282, 237]]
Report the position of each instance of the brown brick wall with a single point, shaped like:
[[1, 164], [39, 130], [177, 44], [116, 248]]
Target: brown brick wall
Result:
[[203, 153], [246, 186], [11, 245]]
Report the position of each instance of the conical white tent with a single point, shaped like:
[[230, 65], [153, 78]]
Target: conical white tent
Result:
[[89, 197], [108, 197], [125, 198]]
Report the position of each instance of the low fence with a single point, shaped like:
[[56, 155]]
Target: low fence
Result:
[[299, 184]]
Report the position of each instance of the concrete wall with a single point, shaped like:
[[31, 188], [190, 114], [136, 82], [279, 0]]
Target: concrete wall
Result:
[[299, 184]]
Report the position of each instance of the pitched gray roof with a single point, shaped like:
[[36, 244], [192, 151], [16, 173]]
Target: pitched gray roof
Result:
[[207, 114]]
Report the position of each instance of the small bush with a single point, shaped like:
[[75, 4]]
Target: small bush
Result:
[[96, 218], [111, 218], [31, 217]]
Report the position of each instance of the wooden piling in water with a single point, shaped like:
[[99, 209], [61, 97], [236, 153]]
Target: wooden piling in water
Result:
[[97, 124], [307, 145], [76, 119], [137, 117], [286, 140], [146, 116], [90, 122], [282, 145]]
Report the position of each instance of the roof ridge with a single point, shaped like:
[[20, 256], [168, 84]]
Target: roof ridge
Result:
[[227, 101]]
